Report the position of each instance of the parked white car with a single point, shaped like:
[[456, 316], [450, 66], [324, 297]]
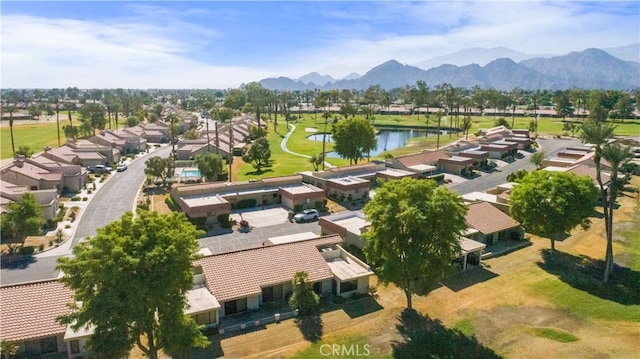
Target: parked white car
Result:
[[307, 215]]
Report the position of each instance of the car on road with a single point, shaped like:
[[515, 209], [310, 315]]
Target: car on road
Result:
[[121, 167], [99, 169], [307, 215]]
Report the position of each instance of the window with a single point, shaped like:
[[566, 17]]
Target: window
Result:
[[49, 345], [348, 286], [75, 347], [205, 318]]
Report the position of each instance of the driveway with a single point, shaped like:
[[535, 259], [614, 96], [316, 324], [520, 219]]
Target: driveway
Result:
[[259, 218]]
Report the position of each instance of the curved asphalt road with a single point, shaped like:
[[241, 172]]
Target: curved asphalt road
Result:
[[117, 196]]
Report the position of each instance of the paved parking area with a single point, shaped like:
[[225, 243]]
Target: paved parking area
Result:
[[235, 240], [259, 218]]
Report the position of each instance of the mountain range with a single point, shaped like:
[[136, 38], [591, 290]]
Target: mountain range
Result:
[[499, 68]]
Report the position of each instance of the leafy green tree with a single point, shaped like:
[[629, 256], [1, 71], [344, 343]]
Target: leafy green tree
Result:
[[550, 204], [93, 114], [22, 218], [130, 281], [210, 166], [35, 111], [192, 134], [256, 132], [8, 348], [537, 159], [71, 131], [354, 138], [25, 151], [258, 154], [304, 299], [132, 121], [159, 167], [415, 228]]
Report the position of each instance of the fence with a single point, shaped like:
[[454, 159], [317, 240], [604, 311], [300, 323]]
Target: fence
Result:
[[248, 325]]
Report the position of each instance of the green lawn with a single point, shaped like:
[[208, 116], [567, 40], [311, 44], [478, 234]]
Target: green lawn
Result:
[[554, 334], [465, 326], [35, 135]]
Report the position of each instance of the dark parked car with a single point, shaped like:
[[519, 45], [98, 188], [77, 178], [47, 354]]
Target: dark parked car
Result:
[[99, 169]]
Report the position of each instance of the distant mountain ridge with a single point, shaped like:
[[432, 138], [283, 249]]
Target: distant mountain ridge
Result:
[[591, 68]]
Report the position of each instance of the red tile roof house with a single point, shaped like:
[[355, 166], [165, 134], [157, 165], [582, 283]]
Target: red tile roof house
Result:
[[489, 224], [28, 316], [224, 284], [243, 280], [213, 199]]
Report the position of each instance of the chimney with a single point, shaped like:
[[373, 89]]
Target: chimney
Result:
[[102, 132], [19, 161], [47, 148]]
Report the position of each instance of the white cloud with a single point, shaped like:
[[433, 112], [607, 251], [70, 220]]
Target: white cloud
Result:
[[155, 46]]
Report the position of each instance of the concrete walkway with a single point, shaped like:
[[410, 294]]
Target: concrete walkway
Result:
[[283, 146]]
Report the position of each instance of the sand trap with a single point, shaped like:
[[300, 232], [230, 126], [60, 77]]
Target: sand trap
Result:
[[310, 129]]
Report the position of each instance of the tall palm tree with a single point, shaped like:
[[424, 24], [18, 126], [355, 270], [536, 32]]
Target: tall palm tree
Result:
[[598, 134], [56, 101], [11, 109], [617, 156], [439, 115]]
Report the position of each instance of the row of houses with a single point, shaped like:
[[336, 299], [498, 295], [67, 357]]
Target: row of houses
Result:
[[348, 183], [64, 169], [224, 285]]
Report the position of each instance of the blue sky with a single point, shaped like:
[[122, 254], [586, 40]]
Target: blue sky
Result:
[[218, 44]]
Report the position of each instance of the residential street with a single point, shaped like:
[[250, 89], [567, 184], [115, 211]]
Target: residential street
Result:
[[119, 193], [117, 196], [550, 147]]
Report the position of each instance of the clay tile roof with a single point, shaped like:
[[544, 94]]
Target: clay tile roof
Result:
[[423, 158], [488, 219], [29, 310], [240, 274]]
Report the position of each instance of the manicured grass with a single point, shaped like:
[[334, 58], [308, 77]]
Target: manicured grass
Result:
[[352, 346], [36, 136], [554, 334], [584, 304], [632, 236], [465, 326]]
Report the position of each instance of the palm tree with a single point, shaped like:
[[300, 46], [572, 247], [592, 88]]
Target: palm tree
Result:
[[536, 96], [11, 109], [597, 134], [56, 101], [173, 131], [439, 115], [617, 156]]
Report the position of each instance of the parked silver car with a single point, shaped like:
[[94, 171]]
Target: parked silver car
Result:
[[307, 215]]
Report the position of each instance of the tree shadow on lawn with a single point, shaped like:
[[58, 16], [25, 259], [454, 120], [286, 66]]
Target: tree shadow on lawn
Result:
[[258, 173], [213, 350], [585, 273], [462, 280], [360, 307], [310, 326], [428, 338]]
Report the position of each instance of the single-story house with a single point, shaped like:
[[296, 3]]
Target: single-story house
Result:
[[349, 225], [456, 165], [395, 174], [479, 157], [28, 316], [74, 177], [345, 183], [243, 280], [212, 199], [425, 163], [124, 141], [490, 223], [24, 173], [496, 151], [47, 198]]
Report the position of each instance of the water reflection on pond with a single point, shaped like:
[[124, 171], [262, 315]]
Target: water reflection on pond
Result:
[[387, 140]]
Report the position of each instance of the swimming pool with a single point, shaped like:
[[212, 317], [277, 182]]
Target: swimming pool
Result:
[[190, 173]]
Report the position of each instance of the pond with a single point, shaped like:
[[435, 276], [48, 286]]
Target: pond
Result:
[[387, 140]]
